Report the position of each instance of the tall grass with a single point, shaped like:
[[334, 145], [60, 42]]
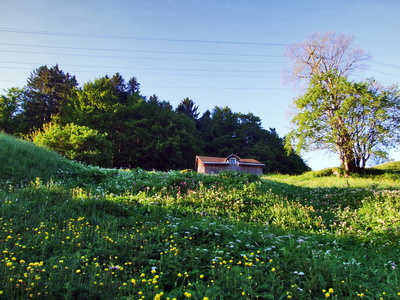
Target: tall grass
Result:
[[93, 233], [22, 161]]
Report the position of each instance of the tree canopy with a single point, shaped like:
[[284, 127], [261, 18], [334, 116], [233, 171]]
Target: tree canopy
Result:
[[188, 107], [355, 120], [139, 132], [75, 142], [10, 110], [323, 53], [45, 93]]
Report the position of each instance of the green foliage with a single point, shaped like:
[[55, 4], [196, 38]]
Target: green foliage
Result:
[[188, 234], [338, 172], [75, 142], [389, 172], [110, 234], [10, 106], [355, 120], [46, 92], [188, 107], [227, 132], [145, 133]]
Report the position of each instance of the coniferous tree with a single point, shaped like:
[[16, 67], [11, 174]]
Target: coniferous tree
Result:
[[118, 83], [133, 86], [46, 91], [188, 107], [142, 133]]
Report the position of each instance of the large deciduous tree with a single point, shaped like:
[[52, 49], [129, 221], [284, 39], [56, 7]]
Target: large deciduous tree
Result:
[[322, 53], [355, 120], [335, 113]]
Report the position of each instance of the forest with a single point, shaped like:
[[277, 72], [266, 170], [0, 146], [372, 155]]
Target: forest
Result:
[[109, 123]]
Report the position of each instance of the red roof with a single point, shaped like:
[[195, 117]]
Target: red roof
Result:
[[224, 160], [249, 161], [209, 159]]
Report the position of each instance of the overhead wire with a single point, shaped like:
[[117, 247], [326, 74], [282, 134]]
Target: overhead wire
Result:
[[167, 74], [147, 68], [142, 51], [385, 64], [152, 58], [26, 31], [145, 58], [384, 73], [54, 33], [41, 32]]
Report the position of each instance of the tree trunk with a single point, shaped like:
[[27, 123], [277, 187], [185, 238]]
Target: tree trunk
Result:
[[347, 158], [350, 166]]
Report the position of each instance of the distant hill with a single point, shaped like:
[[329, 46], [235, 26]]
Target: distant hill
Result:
[[389, 171]]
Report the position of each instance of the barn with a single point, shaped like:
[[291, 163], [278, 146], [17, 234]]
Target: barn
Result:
[[212, 165]]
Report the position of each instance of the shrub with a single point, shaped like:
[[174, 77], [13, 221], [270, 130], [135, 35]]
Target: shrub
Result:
[[75, 142]]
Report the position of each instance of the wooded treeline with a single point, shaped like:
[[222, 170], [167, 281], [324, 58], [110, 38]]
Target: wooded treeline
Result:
[[109, 123]]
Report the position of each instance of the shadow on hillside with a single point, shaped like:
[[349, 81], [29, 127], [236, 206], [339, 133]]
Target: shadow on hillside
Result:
[[124, 211], [343, 195]]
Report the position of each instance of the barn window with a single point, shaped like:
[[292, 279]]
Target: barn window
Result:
[[232, 160]]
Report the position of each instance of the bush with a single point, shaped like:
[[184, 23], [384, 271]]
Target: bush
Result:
[[75, 142]]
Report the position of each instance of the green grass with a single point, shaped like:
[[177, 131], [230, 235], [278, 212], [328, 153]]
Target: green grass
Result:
[[22, 161], [82, 232]]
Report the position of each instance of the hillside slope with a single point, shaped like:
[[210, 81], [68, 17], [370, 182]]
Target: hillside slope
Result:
[[21, 160]]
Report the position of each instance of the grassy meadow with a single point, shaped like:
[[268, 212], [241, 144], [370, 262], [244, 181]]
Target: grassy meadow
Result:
[[70, 231]]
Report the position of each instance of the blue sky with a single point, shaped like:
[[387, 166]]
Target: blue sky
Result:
[[224, 53]]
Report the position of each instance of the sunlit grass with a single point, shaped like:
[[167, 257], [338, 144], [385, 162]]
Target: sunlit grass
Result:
[[334, 181], [93, 233]]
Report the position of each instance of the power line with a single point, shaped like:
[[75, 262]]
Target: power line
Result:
[[145, 68], [144, 58], [31, 31], [143, 51], [210, 88], [168, 74], [186, 87], [6, 80], [384, 73], [385, 64]]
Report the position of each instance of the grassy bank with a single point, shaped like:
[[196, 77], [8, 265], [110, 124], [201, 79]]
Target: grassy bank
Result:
[[80, 232]]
